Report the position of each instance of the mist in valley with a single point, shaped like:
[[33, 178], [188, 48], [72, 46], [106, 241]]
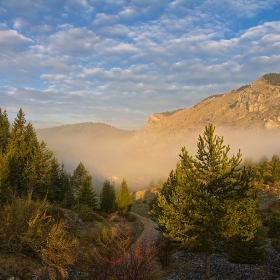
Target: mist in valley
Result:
[[141, 157]]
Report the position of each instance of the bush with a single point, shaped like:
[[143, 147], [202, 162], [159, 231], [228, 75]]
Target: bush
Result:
[[60, 249], [84, 211], [24, 225], [164, 249], [56, 212]]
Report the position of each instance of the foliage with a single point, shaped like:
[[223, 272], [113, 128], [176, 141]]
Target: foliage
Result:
[[60, 249], [212, 96], [77, 177], [84, 211], [86, 194], [272, 78], [169, 113], [4, 130], [242, 87], [249, 252], [114, 256], [123, 199], [166, 191], [164, 250], [274, 224], [210, 200], [24, 225], [107, 196], [27, 165]]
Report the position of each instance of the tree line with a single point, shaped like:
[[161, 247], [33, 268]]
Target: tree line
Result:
[[27, 166]]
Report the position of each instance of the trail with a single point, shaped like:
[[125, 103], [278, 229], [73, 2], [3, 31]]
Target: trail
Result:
[[149, 233]]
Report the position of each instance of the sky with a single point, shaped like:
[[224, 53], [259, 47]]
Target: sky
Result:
[[118, 61]]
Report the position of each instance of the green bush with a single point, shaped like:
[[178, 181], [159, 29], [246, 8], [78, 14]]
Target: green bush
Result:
[[84, 211], [56, 212]]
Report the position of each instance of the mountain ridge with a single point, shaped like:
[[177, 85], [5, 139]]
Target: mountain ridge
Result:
[[252, 111]]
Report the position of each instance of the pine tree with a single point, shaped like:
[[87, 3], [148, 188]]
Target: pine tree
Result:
[[4, 131], [77, 177], [86, 194], [211, 199], [67, 194], [107, 197], [123, 199], [21, 147], [166, 191]]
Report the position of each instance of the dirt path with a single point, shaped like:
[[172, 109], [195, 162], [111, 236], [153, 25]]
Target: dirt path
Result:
[[149, 233]]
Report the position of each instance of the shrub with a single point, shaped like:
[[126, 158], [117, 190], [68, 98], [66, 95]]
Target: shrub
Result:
[[60, 249], [24, 225], [164, 249], [84, 211]]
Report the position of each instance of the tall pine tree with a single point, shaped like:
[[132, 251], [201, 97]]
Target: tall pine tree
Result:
[[86, 194], [4, 131], [211, 198], [108, 196]]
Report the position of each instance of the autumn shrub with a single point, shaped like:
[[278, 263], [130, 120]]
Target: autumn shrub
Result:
[[24, 225], [164, 250], [60, 249], [119, 258]]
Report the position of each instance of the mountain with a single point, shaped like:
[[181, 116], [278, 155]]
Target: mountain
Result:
[[248, 117]]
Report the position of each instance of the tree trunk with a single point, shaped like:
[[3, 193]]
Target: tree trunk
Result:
[[207, 266]]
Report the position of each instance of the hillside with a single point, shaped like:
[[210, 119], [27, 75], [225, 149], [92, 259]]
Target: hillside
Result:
[[248, 117]]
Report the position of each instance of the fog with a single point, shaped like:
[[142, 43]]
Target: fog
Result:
[[140, 157]]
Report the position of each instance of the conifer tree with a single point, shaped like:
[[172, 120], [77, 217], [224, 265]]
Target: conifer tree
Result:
[[67, 194], [107, 197], [123, 199], [21, 147], [211, 198], [86, 194], [4, 130], [77, 177]]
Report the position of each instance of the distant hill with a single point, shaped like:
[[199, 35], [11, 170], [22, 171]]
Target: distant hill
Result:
[[248, 117]]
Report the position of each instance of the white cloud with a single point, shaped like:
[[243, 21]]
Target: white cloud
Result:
[[128, 13], [12, 41], [103, 19]]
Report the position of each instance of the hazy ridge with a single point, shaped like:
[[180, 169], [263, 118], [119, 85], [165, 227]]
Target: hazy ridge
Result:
[[248, 118]]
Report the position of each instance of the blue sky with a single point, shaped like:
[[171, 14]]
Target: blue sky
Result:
[[118, 61]]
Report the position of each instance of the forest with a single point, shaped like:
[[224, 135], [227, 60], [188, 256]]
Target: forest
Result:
[[53, 225]]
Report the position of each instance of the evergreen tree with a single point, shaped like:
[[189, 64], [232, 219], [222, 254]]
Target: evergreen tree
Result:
[[86, 194], [166, 191], [210, 200], [21, 147], [123, 199], [4, 131], [67, 195], [77, 177], [107, 197], [275, 169]]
